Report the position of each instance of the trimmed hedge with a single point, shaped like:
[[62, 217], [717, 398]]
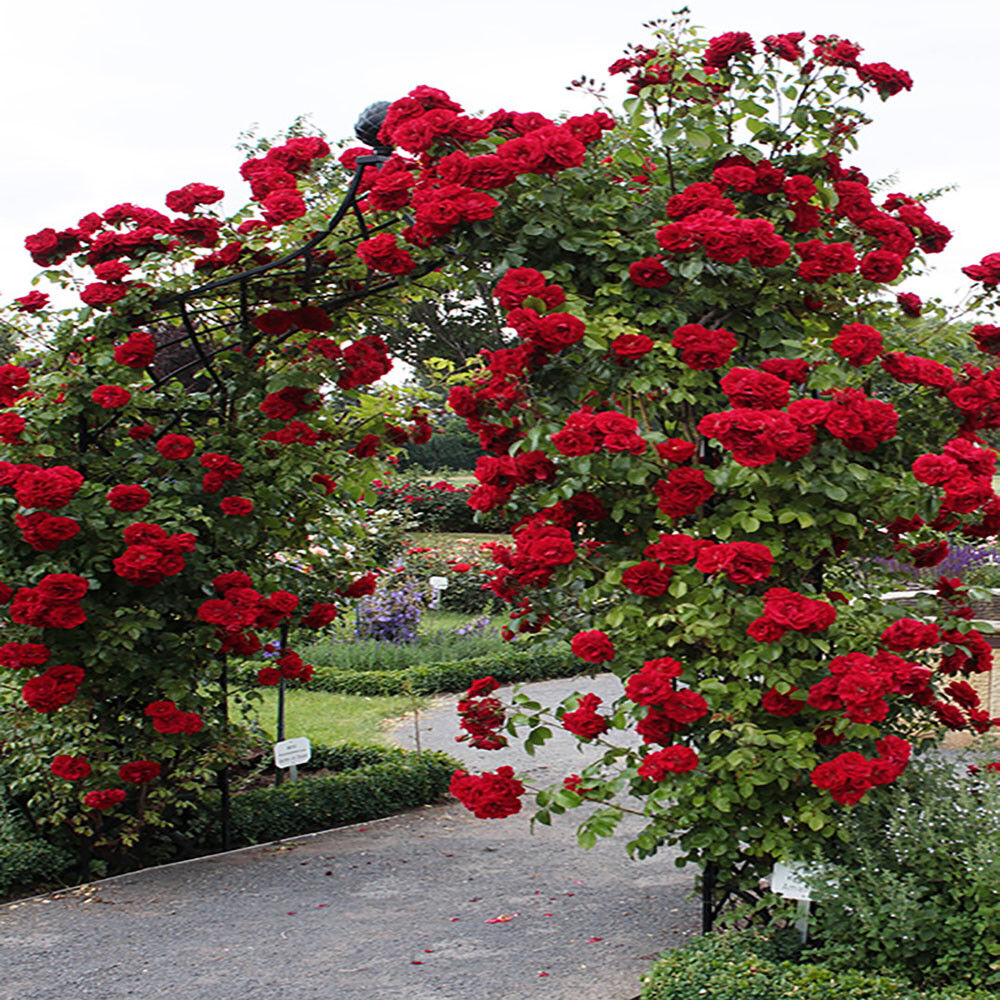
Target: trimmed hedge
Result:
[[31, 862], [744, 966], [367, 782], [507, 666]]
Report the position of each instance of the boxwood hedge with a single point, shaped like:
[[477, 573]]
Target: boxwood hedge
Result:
[[744, 966], [507, 666], [346, 783]]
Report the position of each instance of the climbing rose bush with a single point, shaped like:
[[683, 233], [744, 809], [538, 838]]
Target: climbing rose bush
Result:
[[714, 399], [169, 454]]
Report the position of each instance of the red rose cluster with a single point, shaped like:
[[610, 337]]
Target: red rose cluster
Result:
[[53, 689], [540, 549], [170, 720], [489, 795], [104, 798], [54, 602], [849, 776], [290, 666], [151, 554], [587, 432], [858, 685], [674, 759], [20, 655], [585, 721], [273, 178], [965, 473], [785, 610], [481, 716], [670, 709], [34, 486], [500, 476], [703, 349], [741, 562], [138, 351], [45, 532]]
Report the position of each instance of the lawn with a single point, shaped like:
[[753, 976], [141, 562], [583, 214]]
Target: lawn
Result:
[[333, 718]]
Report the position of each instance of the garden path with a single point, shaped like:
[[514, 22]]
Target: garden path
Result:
[[427, 905]]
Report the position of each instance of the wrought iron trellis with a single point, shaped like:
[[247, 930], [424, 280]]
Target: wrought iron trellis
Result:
[[194, 327]]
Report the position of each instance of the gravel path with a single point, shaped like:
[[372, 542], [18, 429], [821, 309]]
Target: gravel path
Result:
[[427, 905]]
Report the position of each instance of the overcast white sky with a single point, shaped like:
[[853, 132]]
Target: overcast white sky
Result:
[[110, 101]]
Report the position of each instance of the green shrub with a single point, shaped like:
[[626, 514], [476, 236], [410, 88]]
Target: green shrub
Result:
[[366, 783], [915, 886], [454, 447], [506, 665], [434, 505], [26, 860], [741, 966]]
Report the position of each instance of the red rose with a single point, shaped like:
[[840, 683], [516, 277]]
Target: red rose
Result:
[[781, 704], [137, 352], [593, 646], [283, 205], [703, 349], [139, 771], [106, 798], [881, 265], [70, 768], [649, 273], [44, 532], [381, 253], [268, 677], [32, 302], [858, 343], [236, 506], [630, 346], [584, 721], [909, 633], [362, 586], [51, 488], [654, 683], [671, 760], [61, 587], [128, 497], [99, 294], [647, 579], [175, 446], [18, 655], [682, 491], [847, 777], [481, 686], [489, 795], [187, 198]]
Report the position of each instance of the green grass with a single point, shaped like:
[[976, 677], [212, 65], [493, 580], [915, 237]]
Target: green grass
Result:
[[332, 718]]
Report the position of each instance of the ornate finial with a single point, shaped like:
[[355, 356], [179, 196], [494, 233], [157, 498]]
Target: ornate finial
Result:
[[367, 126]]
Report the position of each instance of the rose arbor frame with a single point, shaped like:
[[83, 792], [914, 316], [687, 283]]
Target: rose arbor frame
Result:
[[195, 327]]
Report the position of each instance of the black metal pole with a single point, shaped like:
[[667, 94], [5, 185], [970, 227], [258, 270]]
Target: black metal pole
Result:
[[279, 773], [224, 772], [709, 877]]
